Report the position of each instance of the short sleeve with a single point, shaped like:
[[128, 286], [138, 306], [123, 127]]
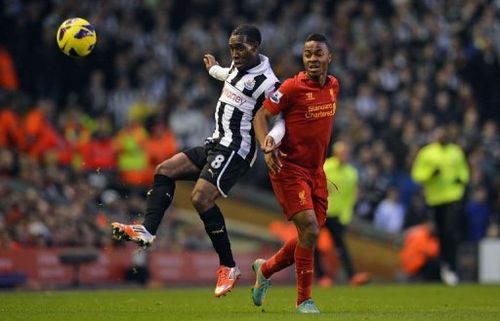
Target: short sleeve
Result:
[[280, 100], [271, 89]]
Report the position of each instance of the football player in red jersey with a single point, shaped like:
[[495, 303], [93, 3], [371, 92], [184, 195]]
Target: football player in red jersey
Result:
[[307, 103]]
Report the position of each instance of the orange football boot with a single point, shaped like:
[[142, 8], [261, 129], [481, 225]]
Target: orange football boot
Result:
[[134, 233], [226, 279]]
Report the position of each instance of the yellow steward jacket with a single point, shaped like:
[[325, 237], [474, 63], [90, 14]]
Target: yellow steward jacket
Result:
[[341, 202], [442, 171]]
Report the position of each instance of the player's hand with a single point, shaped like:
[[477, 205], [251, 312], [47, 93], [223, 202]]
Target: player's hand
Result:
[[209, 61], [272, 155], [273, 161]]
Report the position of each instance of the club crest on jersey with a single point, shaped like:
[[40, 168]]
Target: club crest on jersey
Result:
[[302, 197], [249, 84], [275, 98], [309, 96]]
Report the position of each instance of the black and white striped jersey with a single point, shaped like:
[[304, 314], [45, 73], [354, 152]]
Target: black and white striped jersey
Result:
[[242, 95]]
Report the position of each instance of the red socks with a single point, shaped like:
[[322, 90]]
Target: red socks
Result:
[[281, 260], [304, 267], [304, 272]]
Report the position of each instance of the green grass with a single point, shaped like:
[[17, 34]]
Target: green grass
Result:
[[373, 302]]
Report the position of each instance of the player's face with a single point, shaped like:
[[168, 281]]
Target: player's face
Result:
[[243, 52], [316, 58]]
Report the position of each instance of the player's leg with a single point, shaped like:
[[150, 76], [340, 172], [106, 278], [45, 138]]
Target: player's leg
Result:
[[203, 198], [160, 196], [182, 166], [220, 173], [283, 184], [308, 223], [293, 194], [308, 229], [287, 185], [264, 269], [281, 259]]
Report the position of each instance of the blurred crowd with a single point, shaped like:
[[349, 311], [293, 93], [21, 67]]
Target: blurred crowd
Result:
[[79, 138]]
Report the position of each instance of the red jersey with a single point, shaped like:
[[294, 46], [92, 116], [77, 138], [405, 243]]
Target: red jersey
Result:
[[308, 110]]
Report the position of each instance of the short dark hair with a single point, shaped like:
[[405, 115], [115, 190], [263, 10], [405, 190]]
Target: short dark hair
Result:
[[319, 37], [250, 31]]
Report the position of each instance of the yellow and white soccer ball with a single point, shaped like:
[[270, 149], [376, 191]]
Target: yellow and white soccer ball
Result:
[[76, 37]]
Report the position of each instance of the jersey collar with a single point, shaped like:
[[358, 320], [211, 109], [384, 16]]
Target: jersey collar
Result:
[[303, 77], [260, 68]]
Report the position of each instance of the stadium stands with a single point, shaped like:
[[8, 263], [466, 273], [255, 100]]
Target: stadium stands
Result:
[[405, 67]]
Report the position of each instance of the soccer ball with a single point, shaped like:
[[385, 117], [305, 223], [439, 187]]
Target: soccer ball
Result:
[[76, 37]]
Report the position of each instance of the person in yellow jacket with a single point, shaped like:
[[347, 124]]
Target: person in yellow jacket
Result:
[[342, 194], [442, 170]]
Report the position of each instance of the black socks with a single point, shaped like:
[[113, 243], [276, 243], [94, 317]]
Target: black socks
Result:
[[158, 200], [216, 230]]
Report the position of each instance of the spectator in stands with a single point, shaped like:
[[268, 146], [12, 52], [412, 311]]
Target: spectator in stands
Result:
[[161, 143], [11, 133], [40, 133], [76, 129], [477, 215], [8, 75], [132, 162], [413, 70], [390, 213], [99, 154]]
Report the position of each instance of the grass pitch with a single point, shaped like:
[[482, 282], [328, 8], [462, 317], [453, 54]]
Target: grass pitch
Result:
[[372, 302]]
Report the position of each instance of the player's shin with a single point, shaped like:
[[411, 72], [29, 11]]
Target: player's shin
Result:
[[215, 226], [158, 200], [281, 260], [304, 272]]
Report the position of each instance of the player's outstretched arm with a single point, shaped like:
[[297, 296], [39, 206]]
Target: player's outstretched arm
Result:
[[214, 69]]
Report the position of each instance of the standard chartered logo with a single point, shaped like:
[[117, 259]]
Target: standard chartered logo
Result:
[[320, 111]]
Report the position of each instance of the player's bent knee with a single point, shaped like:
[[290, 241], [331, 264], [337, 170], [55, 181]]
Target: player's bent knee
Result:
[[178, 166], [201, 200], [164, 169]]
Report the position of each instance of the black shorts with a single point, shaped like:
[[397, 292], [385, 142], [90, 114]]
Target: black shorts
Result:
[[219, 165]]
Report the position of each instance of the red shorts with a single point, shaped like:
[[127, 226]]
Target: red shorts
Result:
[[298, 189]]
